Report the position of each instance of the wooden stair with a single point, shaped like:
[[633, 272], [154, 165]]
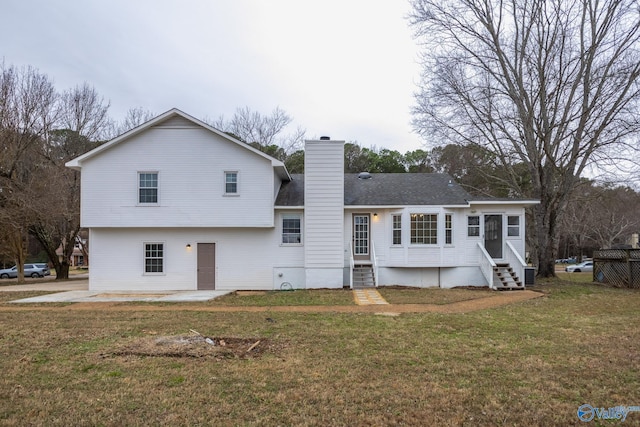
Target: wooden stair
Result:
[[507, 278], [363, 276]]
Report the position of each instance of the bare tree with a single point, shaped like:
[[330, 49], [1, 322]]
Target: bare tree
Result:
[[262, 131], [134, 118], [57, 225], [84, 111], [27, 112], [551, 84]]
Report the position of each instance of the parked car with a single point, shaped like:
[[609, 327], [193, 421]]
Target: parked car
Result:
[[582, 267], [30, 270]]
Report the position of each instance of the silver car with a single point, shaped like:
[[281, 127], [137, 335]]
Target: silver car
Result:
[[30, 270], [577, 268]]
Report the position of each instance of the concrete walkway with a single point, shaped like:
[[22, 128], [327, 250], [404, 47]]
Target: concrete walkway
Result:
[[368, 297], [77, 291], [123, 296]]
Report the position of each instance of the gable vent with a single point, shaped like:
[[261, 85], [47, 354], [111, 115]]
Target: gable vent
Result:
[[364, 175], [325, 138]]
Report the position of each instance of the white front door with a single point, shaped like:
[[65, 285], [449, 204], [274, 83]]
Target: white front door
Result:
[[361, 236]]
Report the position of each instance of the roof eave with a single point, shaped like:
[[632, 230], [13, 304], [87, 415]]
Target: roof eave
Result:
[[523, 202]]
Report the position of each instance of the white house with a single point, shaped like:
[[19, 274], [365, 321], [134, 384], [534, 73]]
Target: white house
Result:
[[175, 204]]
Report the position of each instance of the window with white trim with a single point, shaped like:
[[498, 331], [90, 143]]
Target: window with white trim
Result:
[[424, 229], [513, 226], [148, 187], [291, 229], [231, 182], [396, 226], [448, 229], [473, 226], [153, 258]]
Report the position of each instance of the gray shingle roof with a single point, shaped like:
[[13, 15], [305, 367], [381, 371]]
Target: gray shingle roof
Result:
[[385, 189]]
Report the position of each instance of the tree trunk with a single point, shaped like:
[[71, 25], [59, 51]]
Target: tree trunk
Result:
[[18, 243], [50, 246], [62, 271], [546, 219]]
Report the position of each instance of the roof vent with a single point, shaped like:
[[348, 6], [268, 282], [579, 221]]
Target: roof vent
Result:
[[364, 175], [325, 138]]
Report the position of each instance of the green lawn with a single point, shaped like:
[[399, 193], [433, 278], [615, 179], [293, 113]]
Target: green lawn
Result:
[[532, 363]]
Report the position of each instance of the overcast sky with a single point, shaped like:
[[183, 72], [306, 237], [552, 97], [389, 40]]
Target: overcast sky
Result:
[[343, 68]]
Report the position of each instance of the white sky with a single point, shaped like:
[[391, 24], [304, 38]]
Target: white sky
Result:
[[343, 68]]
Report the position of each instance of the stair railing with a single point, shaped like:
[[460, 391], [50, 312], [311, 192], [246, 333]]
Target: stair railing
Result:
[[486, 265], [352, 265], [374, 259], [515, 261]]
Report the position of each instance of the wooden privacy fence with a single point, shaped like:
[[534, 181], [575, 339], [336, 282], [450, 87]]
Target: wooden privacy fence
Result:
[[617, 267]]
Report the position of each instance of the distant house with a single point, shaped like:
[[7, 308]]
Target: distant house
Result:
[[175, 204], [79, 256]]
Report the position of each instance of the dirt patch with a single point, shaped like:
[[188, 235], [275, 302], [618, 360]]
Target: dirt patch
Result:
[[247, 293], [198, 346]]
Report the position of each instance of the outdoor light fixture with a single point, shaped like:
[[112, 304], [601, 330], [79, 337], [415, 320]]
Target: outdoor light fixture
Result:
[[375, 214], [188, 245]]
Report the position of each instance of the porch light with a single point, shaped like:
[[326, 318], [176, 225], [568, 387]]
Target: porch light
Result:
[[188, 245], [375, 214]]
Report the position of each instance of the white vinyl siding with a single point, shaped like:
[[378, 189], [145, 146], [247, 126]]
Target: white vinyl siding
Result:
[[125, 248], [324, 198], [189, 186]]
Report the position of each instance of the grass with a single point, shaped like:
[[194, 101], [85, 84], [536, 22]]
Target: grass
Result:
[[531, 363], [276, 298], [398, 295], [575, 277], [431, 296]]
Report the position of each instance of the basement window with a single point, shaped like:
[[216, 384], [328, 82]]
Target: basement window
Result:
[[153, 258]]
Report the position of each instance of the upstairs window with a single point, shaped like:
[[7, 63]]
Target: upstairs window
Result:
[[231, 182], [448, 229], [148, 187], [424, 229], [473, 226], [153, 258], [291, 229], [513, 226], [397, 229]]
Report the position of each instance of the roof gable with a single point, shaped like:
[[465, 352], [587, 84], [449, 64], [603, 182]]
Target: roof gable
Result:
[[174, 119]]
